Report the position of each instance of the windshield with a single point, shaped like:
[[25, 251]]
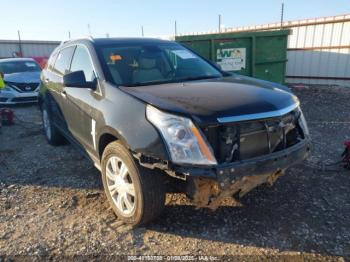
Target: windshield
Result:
[[155, 63], [19, 67]]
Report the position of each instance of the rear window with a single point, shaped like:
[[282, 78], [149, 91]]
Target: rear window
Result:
[[19, 67]]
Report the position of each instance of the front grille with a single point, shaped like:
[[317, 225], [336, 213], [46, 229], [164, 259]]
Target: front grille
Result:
[[25, 99], [25, 87], [243, 140]]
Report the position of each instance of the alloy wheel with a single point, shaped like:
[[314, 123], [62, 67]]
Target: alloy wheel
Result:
[[120, 186]]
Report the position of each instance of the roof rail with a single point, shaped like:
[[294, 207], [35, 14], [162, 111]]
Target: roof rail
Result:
[[80, 38], [64, 41]]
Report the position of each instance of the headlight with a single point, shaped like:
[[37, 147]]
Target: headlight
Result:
[[185, 142], [7, 88], [303, 124]]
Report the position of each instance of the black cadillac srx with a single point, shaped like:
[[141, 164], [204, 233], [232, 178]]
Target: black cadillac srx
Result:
[[155, 117]]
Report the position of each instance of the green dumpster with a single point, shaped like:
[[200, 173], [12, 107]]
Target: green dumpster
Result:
[[261, 54]]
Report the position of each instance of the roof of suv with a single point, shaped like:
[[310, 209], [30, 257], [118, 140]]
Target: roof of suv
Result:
[[124, 40]]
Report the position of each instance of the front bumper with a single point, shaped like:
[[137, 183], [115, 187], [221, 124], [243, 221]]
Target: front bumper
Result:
[[270, 163], [13, 97], [209, 187]]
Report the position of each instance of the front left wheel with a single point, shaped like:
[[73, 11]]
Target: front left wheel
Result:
[[135, 193], [52, 134]]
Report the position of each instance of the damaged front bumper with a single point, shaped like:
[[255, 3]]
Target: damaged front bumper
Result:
[[209, 186]]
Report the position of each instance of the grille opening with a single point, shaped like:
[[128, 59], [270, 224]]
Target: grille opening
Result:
[[24, 87], [25, 99], [244, 140]]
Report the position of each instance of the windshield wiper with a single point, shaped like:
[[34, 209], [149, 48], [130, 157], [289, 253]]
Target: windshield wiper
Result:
[[149, 83], [171, 81], [196, 78]]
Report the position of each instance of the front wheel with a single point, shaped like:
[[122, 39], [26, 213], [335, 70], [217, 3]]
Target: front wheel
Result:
[[135, 193], [51, 132]]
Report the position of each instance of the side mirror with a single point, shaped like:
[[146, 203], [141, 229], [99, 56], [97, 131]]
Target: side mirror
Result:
[[77, 79]]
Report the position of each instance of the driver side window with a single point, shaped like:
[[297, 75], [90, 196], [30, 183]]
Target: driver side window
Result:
[[81, 62]]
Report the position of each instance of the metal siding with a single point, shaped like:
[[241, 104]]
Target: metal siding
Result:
[[6, 50], [29, 48], [37, 49], [331, 60]]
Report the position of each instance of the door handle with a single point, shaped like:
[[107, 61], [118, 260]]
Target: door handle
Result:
[[63, 94]]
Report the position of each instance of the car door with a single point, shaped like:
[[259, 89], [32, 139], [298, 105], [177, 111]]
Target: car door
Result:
[[82, 103], [54, 79]]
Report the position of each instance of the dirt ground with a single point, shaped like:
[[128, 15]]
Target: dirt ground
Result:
[[52, 204]]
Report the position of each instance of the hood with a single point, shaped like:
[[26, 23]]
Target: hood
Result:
[[23, 77], [208, 100], [260, 82]]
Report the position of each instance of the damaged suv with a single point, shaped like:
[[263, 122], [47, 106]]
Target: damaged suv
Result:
[[155, 117]]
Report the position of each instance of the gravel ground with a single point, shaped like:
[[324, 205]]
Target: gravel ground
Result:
[[52, 204]]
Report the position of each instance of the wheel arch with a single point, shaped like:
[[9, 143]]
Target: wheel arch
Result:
[[107, 136]]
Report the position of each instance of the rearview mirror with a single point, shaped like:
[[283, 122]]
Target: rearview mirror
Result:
[[77, 79]]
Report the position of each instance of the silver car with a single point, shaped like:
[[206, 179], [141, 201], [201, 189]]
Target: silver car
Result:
[[22, 79]]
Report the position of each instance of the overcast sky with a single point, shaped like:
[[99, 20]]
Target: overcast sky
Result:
[[52, 20]]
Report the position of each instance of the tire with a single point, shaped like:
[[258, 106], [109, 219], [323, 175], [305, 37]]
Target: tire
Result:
[[52, 134], [136, 206]]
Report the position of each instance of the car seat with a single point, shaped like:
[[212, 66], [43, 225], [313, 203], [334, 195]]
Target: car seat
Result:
[[147, 70]]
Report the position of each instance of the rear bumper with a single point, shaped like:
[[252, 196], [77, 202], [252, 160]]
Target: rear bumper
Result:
[[268, 164]]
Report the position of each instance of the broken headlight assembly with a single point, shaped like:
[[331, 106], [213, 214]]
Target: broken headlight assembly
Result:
[[185, 142]]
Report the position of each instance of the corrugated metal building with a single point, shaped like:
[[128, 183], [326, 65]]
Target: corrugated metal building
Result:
[[28, 48], [318, 49]]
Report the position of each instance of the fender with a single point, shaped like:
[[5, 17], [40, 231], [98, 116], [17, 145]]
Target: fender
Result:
[[131, 128]]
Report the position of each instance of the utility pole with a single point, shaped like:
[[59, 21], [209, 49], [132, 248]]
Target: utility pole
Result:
[[219, 23], [68, 34], [282, 14], [19, 43], [175, 28], [142, 33], [89, 29]]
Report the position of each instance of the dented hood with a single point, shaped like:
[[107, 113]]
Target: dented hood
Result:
[[208, 100]]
